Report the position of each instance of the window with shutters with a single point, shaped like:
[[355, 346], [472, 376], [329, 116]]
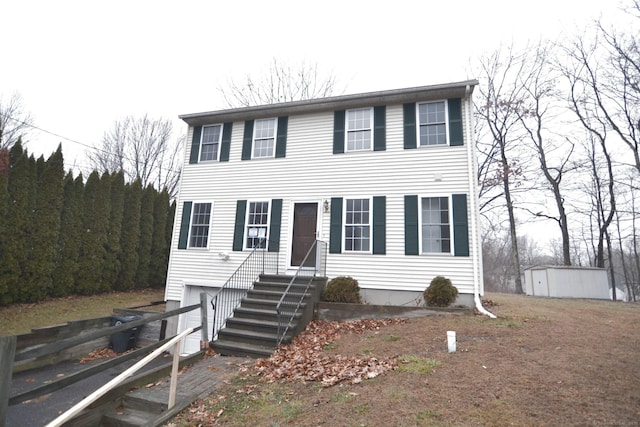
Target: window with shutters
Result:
[[257, 227], [359, 129], [432, 119], [210, 144], [200, 223], [435, 225], [357, 225], [264, 138]]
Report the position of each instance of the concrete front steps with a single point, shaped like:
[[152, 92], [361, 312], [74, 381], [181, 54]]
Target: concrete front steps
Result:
[[253, 329]]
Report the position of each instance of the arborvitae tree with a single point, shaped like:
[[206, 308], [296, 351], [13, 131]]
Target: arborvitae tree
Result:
[[90, 279], [19, 222], [37, 275], [130, 235], [69, 238], [146, 237], [160, 246], [113, 266], [4, 204]]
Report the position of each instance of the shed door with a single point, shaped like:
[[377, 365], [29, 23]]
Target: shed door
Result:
[[305, 220]]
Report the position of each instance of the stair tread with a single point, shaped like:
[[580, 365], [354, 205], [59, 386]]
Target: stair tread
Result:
[[130, 416], [244, 332]]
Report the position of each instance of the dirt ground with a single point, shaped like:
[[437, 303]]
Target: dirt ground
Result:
[[543, 362]]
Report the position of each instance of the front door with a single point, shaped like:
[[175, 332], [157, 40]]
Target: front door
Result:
[[305, 220]]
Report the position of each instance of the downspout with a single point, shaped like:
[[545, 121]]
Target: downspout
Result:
[[473, 187]]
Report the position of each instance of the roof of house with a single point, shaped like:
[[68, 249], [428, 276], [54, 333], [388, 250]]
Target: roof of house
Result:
[[396, 96]]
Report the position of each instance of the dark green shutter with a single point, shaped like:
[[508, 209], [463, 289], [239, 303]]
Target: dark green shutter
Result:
[[411, 246], [379, 225], [195, 145], [455, 122], [460, 225], [184, 225], [335, 229], [226, 142], [281, 139], [409, 119], [247, 140], [380, 131], [238, 231], [274, 227], [338, 132]]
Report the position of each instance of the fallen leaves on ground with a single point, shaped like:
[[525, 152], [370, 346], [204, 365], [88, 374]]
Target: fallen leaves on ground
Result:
[[101, 353], [304, 359]]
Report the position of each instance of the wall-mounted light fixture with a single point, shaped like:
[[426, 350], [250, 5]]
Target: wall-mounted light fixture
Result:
[[326, 206]]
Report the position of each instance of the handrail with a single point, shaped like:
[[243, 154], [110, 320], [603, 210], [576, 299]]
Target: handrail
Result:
[[314, 261], [259, 261], [117, 380]]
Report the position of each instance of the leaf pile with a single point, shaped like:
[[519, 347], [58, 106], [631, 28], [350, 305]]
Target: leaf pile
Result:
[[304, 359], [101, 353]]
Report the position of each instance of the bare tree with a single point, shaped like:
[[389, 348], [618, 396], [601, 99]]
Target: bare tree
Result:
[[15, 122], [554, 152], [499, 107], [280, 83], [143, 148]]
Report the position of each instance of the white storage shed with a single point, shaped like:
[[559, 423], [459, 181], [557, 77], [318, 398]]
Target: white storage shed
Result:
[[561, 281]]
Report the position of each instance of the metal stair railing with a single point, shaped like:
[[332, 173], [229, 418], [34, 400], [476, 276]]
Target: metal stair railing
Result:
[[314, 265], [228, 297]]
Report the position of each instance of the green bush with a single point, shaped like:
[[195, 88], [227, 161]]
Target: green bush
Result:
[[342, 289], [440, 293]]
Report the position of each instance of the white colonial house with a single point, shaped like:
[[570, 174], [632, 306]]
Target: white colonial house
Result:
[[387, 179]]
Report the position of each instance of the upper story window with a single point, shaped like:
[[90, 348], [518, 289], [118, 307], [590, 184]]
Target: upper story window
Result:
[[435, 225], [199, 230], [359, 129], [257, 225], [357, 225], [432, 118], [210, 145], [264, 138]]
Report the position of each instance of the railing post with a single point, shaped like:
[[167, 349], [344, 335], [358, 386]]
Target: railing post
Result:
[[7, 354], [204, 341], [173, 386]]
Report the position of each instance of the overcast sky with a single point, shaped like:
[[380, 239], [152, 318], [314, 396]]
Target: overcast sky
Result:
[[81, 65]]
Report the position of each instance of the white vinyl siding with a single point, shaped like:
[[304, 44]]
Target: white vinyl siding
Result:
[[320, 175]]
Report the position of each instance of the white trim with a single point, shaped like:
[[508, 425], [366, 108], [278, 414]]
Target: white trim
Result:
[[446, 124], [193, 209], [275, 138], [319, 218], [217, 159], [344, 224], [346, 130], [420, 224]]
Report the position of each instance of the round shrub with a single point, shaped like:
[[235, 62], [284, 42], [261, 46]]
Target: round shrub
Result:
[[342, 289], [440, 293]]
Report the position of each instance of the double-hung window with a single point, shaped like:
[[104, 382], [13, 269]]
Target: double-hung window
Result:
[[210, 145], [357, 225], [264, 138], [257, 225], [200, 222], [359, 129], [436, 226], [432, 117]]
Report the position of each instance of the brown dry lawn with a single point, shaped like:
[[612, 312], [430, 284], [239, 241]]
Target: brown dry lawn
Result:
[[543, 362]]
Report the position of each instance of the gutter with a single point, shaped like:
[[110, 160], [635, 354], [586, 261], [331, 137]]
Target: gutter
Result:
[[473, 184]]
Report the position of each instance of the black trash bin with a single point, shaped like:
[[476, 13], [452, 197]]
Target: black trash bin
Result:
[[124, 340]]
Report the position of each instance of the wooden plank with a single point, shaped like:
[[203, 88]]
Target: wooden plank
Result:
[[7, 353], [73, 341], [81, 375]]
